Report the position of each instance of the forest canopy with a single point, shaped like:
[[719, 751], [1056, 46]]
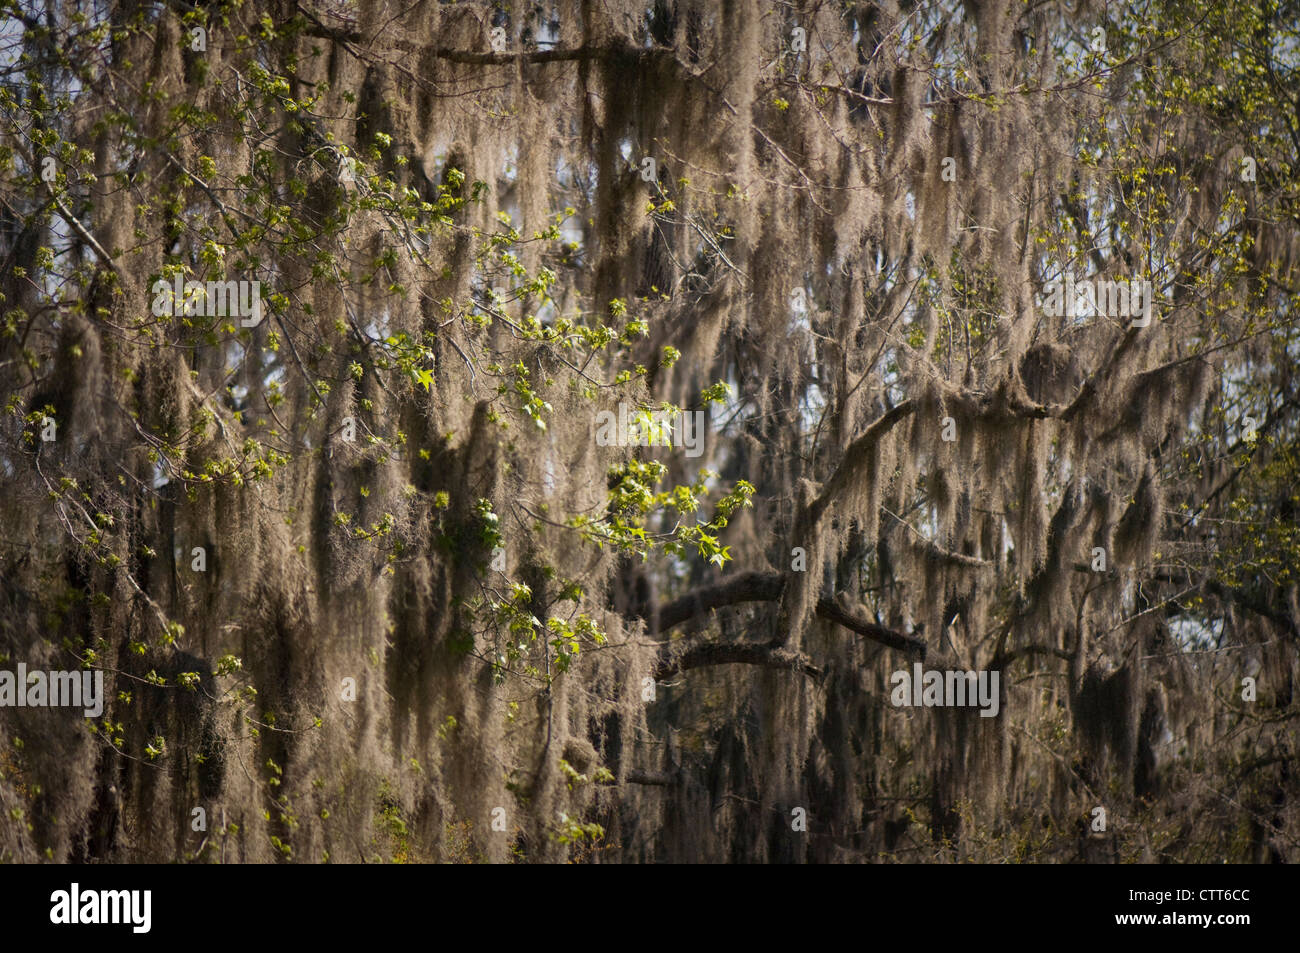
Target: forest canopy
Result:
[[546, 431]]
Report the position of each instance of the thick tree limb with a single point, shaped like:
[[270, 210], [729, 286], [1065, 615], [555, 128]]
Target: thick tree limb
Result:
[[701, 654], [654, 778], [352, 35], [862, 449], [481, 58], [767, 587], [742, 587], [831, 611]]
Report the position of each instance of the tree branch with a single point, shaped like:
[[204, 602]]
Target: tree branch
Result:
[[831, 611], [702, 654], [353, 36], [662, 779], [742, 587], [767, 587], [855, 457]]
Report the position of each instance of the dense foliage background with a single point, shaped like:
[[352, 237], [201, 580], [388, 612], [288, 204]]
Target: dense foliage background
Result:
[[365, 585]]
